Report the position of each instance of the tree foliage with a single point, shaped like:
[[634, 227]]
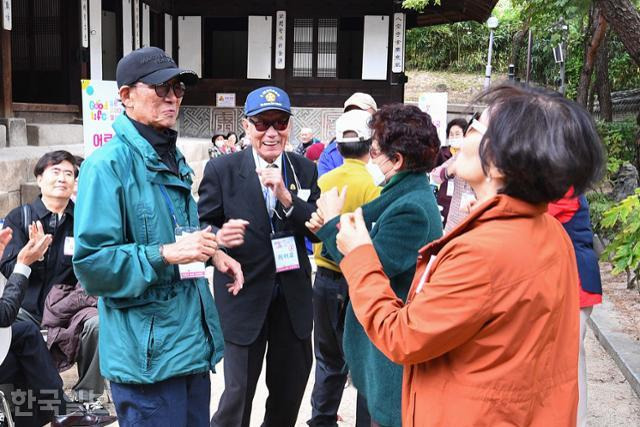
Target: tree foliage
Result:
[[463, 46]]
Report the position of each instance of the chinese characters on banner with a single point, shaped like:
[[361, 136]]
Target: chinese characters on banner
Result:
[[136, 24], [100, 107], [6, 14], [397, 53], [281, 32], [84, 23], [435, 105]]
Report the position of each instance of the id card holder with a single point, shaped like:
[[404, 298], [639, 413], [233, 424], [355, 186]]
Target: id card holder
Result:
[[68, 246], [285, 252], [450, 187], [193, 270]]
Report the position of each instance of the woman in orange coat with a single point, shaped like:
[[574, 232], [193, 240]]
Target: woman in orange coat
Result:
[[489, 333]]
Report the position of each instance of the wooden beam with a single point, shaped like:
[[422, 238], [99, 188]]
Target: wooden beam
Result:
[[6, 94]]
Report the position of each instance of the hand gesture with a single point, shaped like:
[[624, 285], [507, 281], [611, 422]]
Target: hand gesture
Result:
[[330, 203], [316, 221], [198, 246], [5, 238], [37, 245], [353, 232], [272, 179], [232, 233], [232, 268]]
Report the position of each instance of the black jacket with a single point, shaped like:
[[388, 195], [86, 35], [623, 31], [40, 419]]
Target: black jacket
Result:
[[230, 188], [56, 267], [11, 299]]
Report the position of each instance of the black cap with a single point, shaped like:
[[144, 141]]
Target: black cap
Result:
[[153, 66]]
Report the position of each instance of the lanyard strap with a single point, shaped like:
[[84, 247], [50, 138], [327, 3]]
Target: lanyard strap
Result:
[[163, 190]]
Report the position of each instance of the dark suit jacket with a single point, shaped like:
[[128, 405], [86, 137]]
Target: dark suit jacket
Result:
[[12, 298], [230, 188]]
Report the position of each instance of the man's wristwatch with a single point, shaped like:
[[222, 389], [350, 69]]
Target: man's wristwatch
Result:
[[162, 255]]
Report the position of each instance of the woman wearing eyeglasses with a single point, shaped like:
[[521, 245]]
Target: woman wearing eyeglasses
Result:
[[400, 221], [489, 332]]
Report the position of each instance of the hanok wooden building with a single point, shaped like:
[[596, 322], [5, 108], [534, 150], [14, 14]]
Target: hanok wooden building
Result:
[[318, 51]]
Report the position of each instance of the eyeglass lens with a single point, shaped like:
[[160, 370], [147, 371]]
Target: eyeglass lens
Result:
[[264, 125], [162, 89]]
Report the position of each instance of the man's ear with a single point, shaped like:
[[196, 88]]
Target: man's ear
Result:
[[125, 96], [245, 125]]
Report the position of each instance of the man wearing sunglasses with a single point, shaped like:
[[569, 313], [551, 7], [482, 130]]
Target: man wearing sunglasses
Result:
[[276, 192], [139, 246]]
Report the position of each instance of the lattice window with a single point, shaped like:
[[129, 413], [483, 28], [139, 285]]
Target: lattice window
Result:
[[327, 47], [302, 47]]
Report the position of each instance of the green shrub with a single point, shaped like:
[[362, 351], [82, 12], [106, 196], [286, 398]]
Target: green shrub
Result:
[[619, 141], [624, 250], [599, 203]]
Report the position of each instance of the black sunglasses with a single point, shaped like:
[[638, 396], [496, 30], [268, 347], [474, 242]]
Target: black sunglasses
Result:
[[264, 125], [163, 89]]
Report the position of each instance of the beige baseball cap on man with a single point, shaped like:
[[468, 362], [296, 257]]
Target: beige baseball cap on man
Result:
[[363, 101]]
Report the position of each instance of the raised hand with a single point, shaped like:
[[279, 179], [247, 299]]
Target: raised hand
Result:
[[353, 232], [198, 246]]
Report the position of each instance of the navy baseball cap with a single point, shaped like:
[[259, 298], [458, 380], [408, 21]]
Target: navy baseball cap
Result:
[[267, 98], [151, 65]]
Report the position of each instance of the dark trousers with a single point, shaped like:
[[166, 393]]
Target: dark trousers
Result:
[[330, 299], [37, 394], [90, 385], [288, 366], [176, 402], [330, 293]]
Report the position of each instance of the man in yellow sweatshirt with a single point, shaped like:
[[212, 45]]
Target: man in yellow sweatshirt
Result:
[[330, 290]]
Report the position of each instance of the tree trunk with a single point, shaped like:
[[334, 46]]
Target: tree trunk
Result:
[[599, 29], [517, 42], [603, 86], [624, 18]]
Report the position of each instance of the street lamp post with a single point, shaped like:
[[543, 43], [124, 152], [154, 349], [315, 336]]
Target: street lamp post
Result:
[[492, 23], [564, 29]]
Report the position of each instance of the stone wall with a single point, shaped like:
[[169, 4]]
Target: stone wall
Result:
[[203, 122]]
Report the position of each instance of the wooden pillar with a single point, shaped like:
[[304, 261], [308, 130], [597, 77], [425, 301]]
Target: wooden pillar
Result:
[[6, 94]]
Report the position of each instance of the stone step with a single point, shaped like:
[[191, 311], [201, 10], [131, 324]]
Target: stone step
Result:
[[8, 201], [17, 163], [3, 136], [47, 134]]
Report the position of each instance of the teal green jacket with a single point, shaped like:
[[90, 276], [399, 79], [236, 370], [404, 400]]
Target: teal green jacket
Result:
[[153, 326], [403, 219]]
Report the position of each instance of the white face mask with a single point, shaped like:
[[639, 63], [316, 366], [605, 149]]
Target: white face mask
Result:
[[220, 143], [455, 142], [376, 173]]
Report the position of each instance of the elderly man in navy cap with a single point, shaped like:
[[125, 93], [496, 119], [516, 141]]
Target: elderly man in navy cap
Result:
[[275, 192], [139, 246]]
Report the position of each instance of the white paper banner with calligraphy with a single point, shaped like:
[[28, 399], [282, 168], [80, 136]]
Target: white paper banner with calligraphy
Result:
[[397, 49], [6, 14], [281, 36]]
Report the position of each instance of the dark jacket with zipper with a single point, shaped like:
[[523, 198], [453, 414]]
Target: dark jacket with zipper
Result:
[[56, 268]]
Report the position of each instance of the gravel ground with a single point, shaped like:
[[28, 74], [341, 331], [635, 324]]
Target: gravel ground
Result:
[[612, 402]]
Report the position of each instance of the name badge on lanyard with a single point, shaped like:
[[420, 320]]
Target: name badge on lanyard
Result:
[[285, 252], [68, 246], [193, 270]]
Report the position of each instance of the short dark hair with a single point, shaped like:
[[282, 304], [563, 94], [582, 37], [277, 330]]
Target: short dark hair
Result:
[[541, 142], [353, 150], [461, 123], [405, 129], [216, 135], [55, 158]]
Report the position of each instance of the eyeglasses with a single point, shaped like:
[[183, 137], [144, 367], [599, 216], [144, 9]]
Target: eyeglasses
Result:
[[163, 89], [264, 125], [477, 126]]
